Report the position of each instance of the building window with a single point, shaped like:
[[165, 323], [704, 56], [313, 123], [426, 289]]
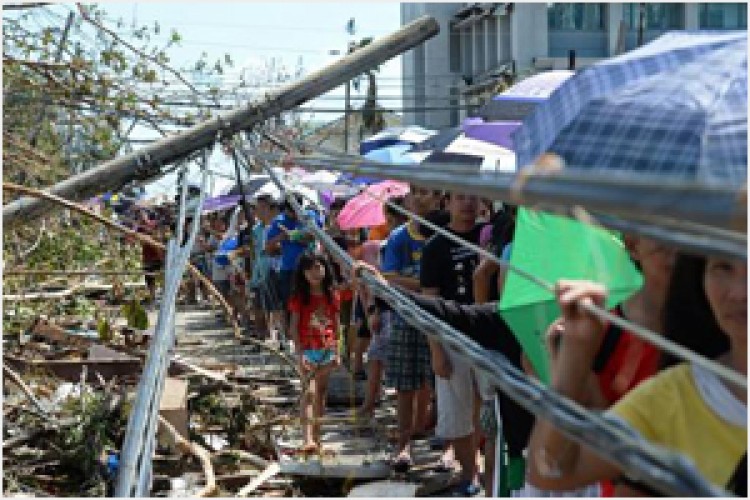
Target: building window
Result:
[[723, 16], [454, 51], [576, 16], [467, 46], [658, 16]]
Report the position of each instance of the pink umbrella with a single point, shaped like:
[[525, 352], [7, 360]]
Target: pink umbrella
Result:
[[364, 210]]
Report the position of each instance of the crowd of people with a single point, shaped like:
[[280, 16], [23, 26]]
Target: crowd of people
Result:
[[284, 286]]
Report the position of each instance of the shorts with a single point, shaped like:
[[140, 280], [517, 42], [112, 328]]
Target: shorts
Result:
[[319, 357], [408, 367], [488, 418], [201, 264], [267, 293], [378, 348], [152, 267], [455, 401], [345, 313], [284, 281], [223, 287]]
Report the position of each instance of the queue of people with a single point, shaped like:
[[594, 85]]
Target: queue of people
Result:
[[285, 287]]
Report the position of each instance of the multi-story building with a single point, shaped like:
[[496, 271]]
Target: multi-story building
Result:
[[479, 43]]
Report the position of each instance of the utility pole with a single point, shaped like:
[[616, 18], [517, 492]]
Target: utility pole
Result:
[[147, 162], [347, 104], [351, 29]]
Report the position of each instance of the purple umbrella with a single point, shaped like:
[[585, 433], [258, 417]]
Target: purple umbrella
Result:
[[493, 132], [501, 117], [221, 202]]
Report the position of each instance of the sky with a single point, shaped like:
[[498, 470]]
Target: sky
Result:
[[254, 33]]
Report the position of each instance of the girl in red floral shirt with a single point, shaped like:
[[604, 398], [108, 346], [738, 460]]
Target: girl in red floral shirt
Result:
[[314, 309]]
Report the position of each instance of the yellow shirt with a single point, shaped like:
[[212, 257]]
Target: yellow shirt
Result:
[[669, 411]]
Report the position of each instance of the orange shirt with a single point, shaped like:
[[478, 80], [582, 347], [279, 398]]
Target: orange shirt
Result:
[[378, 232]]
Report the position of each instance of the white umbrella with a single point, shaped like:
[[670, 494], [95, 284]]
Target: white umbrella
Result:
[[320, 177], [307, 193]]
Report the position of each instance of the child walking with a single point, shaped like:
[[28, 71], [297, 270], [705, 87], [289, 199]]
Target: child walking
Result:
[[314, 308]]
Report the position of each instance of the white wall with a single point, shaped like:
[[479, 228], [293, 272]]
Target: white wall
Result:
[[614, 16], [691, 16], [437, 65], [528, 33]]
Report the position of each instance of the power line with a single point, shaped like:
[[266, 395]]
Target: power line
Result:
[[641, 459]]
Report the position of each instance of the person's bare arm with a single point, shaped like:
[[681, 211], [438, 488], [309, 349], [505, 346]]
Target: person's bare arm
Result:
[[555, 461], [441, 363], [402, 281], [482, 276], [272, 245]]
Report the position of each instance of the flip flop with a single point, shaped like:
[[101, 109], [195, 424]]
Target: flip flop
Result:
[[402, 464], [464, 489], [422, 435], [446, 465], [308, 449]]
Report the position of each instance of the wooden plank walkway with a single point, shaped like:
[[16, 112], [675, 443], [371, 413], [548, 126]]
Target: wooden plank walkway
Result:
[[354, 453]]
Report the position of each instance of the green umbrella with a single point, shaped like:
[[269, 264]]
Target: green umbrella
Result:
[[552, 248]]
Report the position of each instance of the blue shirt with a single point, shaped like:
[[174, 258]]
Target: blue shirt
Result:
[[507, 252], [403, 252], [263, 262], [290, 250]]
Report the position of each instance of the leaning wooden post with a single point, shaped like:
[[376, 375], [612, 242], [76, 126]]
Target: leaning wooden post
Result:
[[142, 238], [147, 162]]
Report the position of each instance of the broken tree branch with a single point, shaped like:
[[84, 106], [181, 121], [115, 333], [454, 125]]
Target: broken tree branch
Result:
[[148, 161], [142, 238], [25, 388], [194, 449], [264, 476]]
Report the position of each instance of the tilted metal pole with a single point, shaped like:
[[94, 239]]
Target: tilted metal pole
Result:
[[665, 212], [146, 162], [643, 199]]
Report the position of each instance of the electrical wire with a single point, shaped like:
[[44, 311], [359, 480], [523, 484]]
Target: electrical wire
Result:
[[643, 333], [665, 471]]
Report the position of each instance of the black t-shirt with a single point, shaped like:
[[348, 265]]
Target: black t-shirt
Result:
[[438, 217], [245, 239], [448, 266]]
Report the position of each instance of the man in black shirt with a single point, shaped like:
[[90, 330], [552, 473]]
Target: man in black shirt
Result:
[[479, 322], [447, 271]]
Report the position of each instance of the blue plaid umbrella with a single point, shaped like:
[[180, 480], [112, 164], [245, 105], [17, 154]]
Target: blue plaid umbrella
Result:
[[677, 106]]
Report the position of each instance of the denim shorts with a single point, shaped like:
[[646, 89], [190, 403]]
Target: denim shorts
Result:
[[319, 357]]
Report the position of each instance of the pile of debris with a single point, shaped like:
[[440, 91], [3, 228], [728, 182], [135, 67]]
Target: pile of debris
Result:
[[67, 400]]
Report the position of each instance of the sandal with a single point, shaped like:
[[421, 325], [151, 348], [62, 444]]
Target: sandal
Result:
[[402, 464], [464, 489], [308, 449], [446, 465], [426, 434]]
